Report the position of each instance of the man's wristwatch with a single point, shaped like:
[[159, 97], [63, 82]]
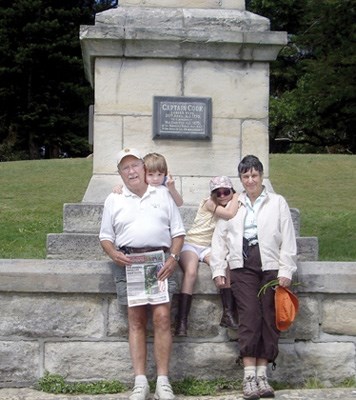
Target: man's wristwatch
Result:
[[175, 256]]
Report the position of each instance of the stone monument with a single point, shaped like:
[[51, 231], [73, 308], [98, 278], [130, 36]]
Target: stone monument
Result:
[[194, 51], [187, 79]]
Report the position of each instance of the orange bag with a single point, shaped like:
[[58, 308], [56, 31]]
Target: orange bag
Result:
[[287, 306]]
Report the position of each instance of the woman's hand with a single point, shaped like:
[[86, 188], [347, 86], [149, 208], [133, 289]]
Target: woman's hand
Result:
[[220, 282], [285, 282]]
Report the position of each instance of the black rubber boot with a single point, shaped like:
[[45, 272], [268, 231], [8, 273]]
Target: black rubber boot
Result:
[[185, 301], [228, 319]]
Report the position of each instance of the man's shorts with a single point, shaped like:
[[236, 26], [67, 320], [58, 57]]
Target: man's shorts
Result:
[[119, 275]]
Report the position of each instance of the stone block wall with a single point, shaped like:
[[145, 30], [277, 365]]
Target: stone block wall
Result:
[[62, 316]]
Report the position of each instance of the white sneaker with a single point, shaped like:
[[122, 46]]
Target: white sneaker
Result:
[[249, 387], [265, 390], [164, 391], [140, 392]]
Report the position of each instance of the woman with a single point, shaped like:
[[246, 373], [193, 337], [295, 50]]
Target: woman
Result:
[[222, 203], [258, 245]]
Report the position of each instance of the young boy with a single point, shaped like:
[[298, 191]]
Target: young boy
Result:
[[156, 175]]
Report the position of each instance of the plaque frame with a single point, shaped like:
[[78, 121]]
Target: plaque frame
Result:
[[182, 118]]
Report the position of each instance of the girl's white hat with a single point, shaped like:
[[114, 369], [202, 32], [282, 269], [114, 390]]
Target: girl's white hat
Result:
[[220, 182]]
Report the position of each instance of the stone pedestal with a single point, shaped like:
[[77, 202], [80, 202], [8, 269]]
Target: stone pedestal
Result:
[[211, 49], [217, 4]]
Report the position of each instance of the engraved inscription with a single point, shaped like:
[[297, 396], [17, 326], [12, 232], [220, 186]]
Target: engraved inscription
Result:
[[182, 118]]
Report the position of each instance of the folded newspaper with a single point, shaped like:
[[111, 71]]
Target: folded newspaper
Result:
[[143, 286]]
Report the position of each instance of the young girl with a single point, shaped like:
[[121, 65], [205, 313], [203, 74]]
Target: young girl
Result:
[[222, 203], [156, 175]]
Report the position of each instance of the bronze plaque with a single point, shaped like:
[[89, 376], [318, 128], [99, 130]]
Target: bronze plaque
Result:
[[182, 118]]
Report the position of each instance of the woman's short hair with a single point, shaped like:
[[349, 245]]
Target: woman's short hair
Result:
[[250, 162]]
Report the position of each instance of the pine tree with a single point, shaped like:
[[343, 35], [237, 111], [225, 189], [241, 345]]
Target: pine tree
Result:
[[44, 96]]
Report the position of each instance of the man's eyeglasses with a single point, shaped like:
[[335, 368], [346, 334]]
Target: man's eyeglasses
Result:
[[222, 192], [134, 166]]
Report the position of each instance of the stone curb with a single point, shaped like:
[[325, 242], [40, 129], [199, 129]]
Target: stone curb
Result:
[[305, 394]]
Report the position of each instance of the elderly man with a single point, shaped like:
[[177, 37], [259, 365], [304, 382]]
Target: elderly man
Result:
[[143, 218]]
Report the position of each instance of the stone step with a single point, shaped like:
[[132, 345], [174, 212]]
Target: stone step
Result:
[[86, 246], [86, 217]]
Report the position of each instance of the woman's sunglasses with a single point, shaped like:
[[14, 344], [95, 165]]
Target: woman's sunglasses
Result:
[[222, 192]]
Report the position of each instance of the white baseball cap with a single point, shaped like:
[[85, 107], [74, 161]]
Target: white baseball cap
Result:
[[128, 152], [220, 182]]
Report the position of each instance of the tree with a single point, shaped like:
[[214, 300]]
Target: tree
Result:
[[44, 96], [313, 80]]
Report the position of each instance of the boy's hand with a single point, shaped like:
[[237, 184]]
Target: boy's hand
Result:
[[170, 182], [118, 189]]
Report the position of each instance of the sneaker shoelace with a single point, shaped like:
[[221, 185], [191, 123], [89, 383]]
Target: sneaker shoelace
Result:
[[138, 389], [263, 385], [166, 387], [250, 384]]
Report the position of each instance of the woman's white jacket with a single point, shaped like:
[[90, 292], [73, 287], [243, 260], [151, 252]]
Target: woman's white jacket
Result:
[[276, 238]]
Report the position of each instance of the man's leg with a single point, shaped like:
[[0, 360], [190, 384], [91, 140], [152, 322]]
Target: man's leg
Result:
[[137, 317], [162, 336], [162, 350]]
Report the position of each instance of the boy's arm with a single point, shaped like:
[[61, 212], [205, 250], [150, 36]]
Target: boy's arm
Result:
[[117, 189], [173, 191], [230, 210]]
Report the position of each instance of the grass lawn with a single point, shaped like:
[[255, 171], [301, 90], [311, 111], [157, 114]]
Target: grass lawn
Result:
[[32, 195], [322, 187]]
